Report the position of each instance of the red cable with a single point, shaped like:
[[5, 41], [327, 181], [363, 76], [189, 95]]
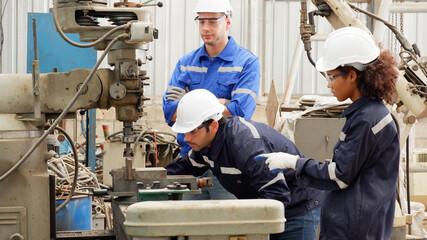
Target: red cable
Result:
[[155, 146]]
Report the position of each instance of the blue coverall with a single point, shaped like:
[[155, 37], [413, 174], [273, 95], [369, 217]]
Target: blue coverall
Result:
[[361, 177], [233, 74], [231, 159]]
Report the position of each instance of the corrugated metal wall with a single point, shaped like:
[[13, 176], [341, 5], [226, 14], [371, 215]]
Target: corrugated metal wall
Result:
[[270, 29]]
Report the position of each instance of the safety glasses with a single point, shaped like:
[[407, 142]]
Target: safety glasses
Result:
[[204, 124], [331, 78], [212, 22]]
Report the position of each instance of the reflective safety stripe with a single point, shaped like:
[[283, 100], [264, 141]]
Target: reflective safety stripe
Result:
[[196, 164], [251, 127], [386, 120], [230, 69], [229, 170], [194, 69], [342, 136], [331, 169], [274, 180], [207, 160], [245, 91]]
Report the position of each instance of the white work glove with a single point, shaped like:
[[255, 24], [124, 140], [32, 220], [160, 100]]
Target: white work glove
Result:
[[278, 161], [175, 93]]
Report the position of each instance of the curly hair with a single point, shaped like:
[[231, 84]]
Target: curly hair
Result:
[[378, 80]]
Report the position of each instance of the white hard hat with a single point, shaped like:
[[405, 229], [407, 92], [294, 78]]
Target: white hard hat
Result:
[[216, 6], [348, 46], [196, 107]]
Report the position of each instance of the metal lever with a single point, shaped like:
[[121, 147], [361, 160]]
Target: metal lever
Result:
[[35, 65]]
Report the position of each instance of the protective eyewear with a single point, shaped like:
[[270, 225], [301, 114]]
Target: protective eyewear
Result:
[[206, 123], [330, 78], [213, 22]]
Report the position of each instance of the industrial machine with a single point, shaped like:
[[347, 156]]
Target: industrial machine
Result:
[[411, 86], [34, 98], [27, 194]]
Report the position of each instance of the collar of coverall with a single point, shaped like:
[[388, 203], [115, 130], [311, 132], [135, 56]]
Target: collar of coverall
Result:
[[218, 142], [227, 54], [355, 105]]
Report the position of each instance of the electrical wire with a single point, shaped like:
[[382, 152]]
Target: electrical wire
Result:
[[76, 169], [103, 38], [66, 109], [399, 36]]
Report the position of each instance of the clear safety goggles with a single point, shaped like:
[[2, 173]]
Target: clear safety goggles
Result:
[[211, 22], [331, 78], [204, 124]]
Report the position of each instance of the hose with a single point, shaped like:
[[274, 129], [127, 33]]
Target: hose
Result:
[[67, 108], [399, 36], [310, 59], [306, 30], [137, 140], [103, 38], [76, 169]]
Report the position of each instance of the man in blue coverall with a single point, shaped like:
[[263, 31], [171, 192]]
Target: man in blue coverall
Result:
[[227, 146], [221, 66]]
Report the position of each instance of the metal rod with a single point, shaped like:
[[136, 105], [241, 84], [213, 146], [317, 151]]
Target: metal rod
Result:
[[408, 7], [36, 55], [408, 198]]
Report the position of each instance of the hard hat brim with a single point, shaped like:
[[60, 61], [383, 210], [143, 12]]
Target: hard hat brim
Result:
[[320, 66], [179, 127], [183, 129]]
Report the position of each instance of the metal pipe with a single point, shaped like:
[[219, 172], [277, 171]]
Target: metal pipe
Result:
[[416, 167], [296, 60], [273, 7], [408, 195], [383, 12], [264, 47], [409, 7]]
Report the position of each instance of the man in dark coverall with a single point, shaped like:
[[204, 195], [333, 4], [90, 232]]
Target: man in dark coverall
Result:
[[227, 146]]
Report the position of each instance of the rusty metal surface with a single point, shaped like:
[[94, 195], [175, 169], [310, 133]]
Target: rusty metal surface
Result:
[[146, 178]]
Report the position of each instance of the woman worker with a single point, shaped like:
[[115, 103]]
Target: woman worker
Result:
[[363, 172]]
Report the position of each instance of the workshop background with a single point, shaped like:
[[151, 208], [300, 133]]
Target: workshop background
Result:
[[268, 28]]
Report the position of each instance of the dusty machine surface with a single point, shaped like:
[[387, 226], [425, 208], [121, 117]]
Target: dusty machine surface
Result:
[[24, 196], [27, 202], [197, 220]]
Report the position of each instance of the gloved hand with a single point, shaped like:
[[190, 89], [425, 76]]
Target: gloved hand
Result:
[[279, 161], [175, 93]]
